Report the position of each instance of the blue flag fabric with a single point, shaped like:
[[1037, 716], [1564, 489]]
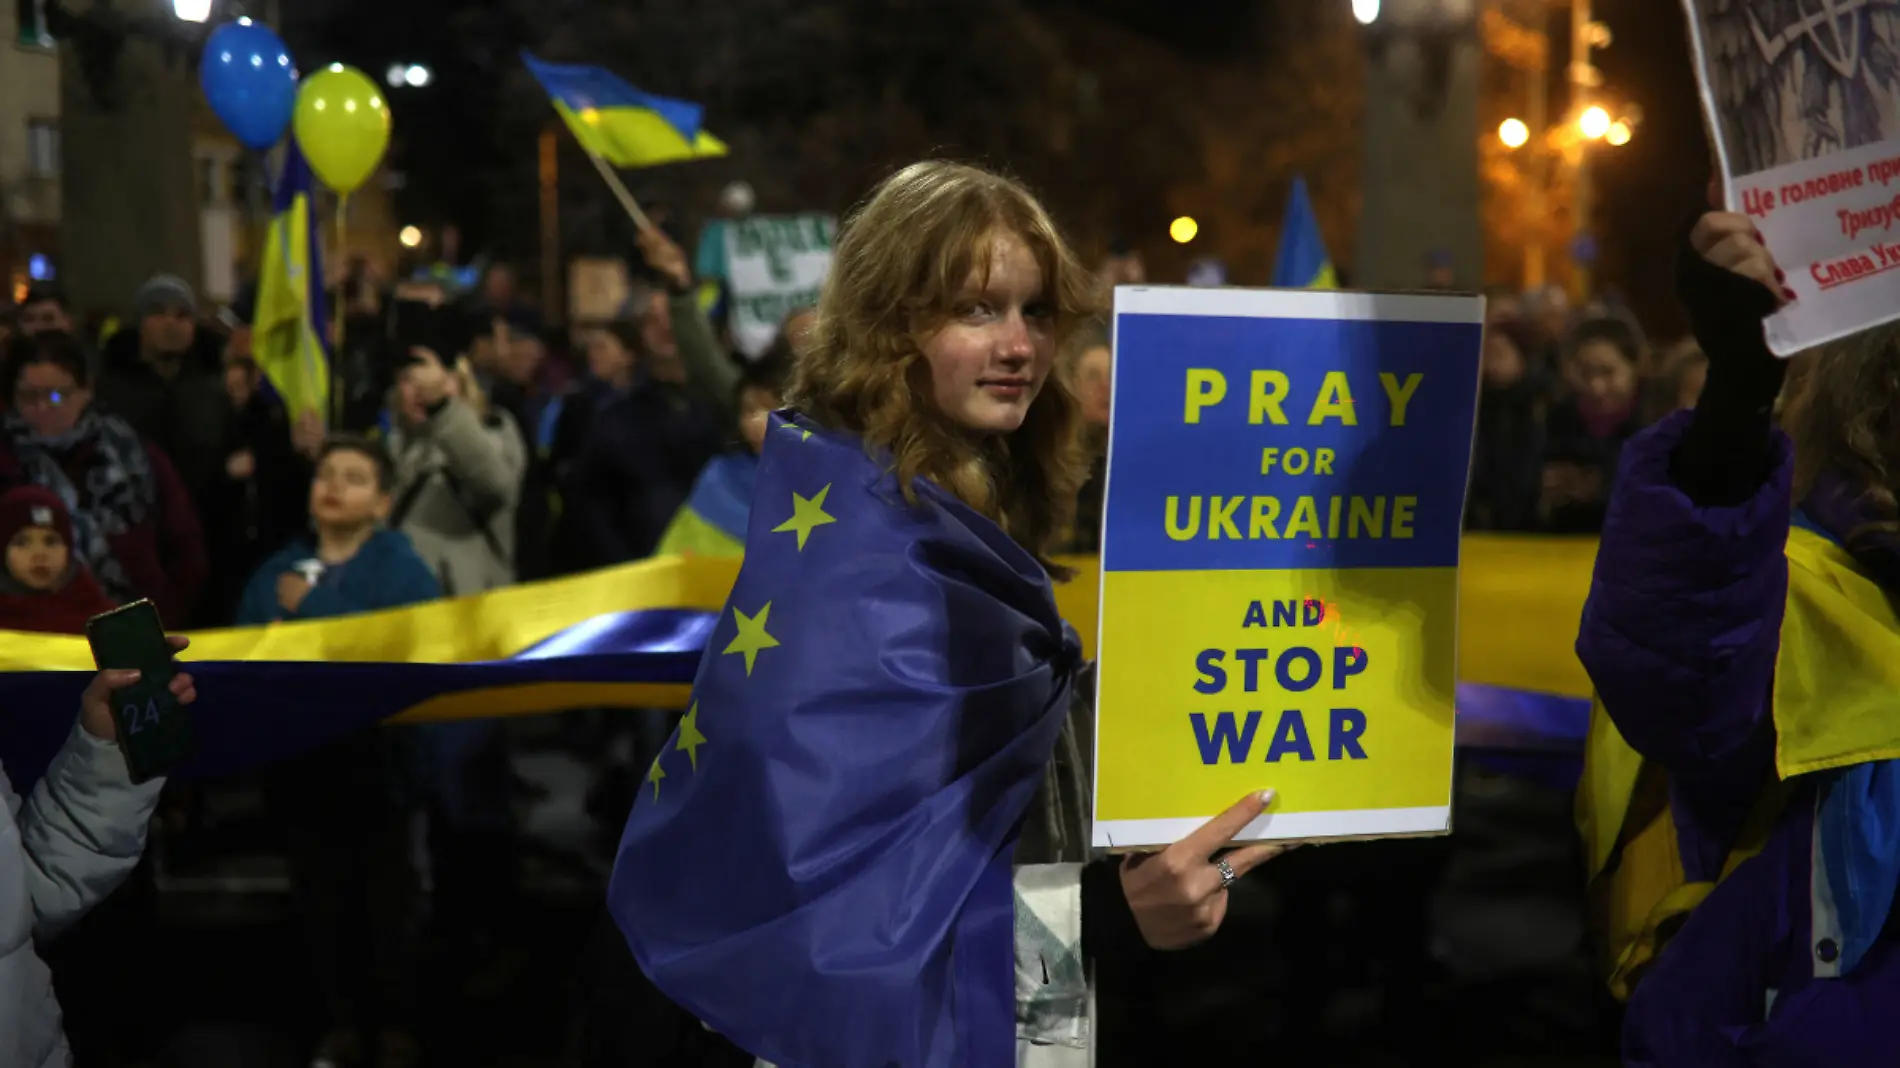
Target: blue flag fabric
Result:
[[1303, 262], [251, 714], [819, 864]]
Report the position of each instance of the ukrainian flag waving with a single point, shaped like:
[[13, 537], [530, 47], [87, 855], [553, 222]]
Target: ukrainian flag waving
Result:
[[615, 122], [288, 324], [1303, 262]]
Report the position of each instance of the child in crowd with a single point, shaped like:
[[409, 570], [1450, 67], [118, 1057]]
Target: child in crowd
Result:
[[713, 520], [352, 563], [44, 587], [342, 808]]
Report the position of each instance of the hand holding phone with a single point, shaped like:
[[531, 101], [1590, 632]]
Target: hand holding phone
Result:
[[139, 696], [95, 705]]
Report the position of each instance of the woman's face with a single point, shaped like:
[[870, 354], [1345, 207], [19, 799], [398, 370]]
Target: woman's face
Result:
[[607, 359], [1092, 384], [754, 405], [1602, 377], [49, 400], [988, 362], [36, 558]]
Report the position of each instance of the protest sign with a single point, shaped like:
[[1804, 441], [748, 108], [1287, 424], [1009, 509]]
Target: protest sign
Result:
[[1279, 599], [773, 265], [1805, 104]]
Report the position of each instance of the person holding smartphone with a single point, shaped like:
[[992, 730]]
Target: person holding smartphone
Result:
[[68, 844]]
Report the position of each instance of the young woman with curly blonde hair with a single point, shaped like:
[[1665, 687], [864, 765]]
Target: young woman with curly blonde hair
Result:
[[890, 746]]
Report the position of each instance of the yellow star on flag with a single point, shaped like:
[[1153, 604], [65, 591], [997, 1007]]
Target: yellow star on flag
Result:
[[807, 515], [752, 637], [690, 738], [803, 434], [654, 775]]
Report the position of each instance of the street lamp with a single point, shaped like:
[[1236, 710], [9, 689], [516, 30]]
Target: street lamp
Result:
[[411, 237], [1594, 123], [1366, 11], [192, 10], [1514, 133], [412, 75], [1619, 133], [1183, 229]]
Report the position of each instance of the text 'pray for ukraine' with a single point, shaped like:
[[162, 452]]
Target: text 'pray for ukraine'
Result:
[[1257, 516]]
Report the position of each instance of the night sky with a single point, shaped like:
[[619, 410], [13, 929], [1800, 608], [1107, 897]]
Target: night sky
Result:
[[1652, 186], [1645, 190]]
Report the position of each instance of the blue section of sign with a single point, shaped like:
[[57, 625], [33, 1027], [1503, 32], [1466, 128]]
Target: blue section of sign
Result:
[[1253, 444]]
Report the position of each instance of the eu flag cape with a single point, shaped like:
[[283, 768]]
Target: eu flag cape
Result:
[[818, 866]]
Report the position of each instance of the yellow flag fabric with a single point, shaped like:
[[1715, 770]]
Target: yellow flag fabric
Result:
[[1839, 665], [630, 137], [287, 326], [1835, 674], [689, 534]]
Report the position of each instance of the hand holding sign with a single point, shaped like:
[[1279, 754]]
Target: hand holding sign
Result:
[[1730, 241], [1179, 896]]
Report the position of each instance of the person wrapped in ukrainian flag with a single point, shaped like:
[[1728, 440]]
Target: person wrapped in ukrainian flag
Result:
[[867, 843], [1741, 800], [713, 520]]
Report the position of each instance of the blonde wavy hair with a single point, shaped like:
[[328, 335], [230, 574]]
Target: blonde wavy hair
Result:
[[902, 259], [1841, 407]]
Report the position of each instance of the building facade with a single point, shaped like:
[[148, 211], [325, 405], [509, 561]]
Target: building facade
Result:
[[30, 150]]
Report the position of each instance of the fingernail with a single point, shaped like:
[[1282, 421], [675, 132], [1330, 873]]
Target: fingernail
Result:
[[1781, 275], [1788, 295], [1266, 798]]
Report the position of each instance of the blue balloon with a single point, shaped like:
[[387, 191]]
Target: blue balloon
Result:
[[250, 82]]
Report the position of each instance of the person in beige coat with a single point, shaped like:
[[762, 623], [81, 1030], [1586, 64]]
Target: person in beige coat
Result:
[[459, 467]]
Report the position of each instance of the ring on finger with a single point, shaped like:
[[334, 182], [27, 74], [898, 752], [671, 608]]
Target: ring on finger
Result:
[[1227, 876]]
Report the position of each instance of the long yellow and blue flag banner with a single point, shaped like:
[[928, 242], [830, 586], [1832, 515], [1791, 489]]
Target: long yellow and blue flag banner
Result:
[[631, 637], [623, 125]]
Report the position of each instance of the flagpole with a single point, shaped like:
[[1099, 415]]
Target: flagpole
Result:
[[620, 191]]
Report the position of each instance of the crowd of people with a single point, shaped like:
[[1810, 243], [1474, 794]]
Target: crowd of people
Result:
[[1564, 389], [159, 464], [474, 446]]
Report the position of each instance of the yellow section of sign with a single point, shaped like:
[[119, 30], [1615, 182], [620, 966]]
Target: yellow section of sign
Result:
[[1332, 687]]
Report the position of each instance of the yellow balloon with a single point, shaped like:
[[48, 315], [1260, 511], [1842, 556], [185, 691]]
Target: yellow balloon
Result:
[[342, 125]]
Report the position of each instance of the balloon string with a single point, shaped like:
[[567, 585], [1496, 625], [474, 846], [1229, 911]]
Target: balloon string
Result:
[[336, 314]]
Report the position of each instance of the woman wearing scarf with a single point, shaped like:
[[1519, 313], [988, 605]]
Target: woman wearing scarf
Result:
[[867, 843], [1741, 806], [133, 523]]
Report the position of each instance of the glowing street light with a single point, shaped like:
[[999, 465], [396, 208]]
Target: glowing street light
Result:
[[411, 237], [1514, 133], [192, 10], [1183, 229], [1366, 11], [1619, 133], [413, 75], [1594, 123]]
